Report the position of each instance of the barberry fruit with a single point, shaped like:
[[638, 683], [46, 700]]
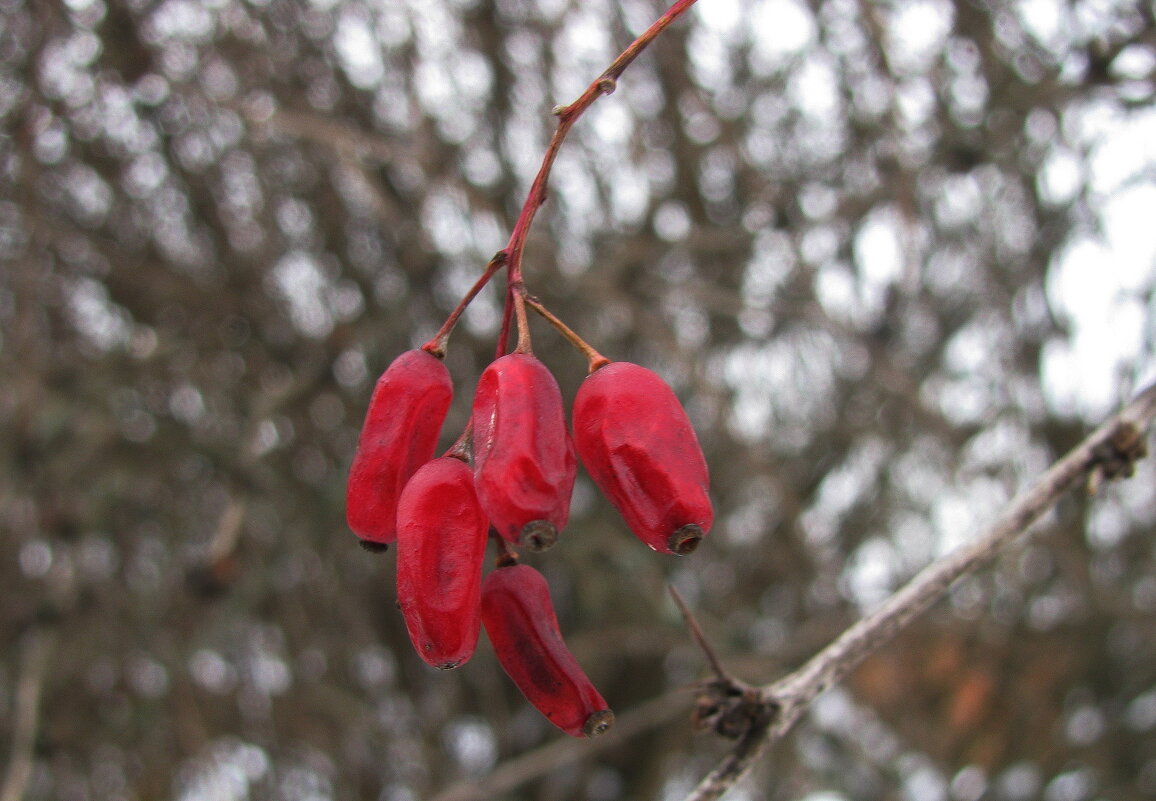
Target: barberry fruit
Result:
[[400, 433], [520, 621], [641, 450], [524, 462], [441, 545]]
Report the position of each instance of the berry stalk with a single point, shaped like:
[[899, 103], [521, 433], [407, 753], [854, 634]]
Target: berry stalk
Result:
[[518, 294], [437, 344], [567, 116], [594, 359], [511, 255]]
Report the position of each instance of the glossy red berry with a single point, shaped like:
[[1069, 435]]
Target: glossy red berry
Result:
[[400, 433], [520, 621], [441, 545], [524, 462], [638, 445]]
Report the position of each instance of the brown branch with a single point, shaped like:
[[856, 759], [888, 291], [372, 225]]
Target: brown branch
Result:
[[1109, 452], [341, 138]]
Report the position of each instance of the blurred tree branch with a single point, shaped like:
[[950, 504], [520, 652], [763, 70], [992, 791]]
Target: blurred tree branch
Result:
[[38, 647], [656, 713]]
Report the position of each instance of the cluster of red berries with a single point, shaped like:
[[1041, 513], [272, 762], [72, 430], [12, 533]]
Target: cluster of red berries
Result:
[[513, 472]]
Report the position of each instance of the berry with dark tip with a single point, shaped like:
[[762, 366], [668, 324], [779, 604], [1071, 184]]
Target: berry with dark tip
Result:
[[638, 445], [524, 462]]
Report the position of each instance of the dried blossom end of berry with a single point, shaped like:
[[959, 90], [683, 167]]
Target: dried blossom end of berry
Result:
[[598, 723], [686, 539], [373, 547], [539, 535]]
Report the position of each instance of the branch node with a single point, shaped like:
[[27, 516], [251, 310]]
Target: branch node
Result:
[[1116, 457], [731, 708], [727, 706]]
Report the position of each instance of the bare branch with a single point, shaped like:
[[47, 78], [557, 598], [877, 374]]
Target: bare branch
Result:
[[1109, 452], [341, 138]]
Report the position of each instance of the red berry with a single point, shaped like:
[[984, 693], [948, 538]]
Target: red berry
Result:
[[520, 621], [441, 544], [638, 444], [524, 462], [400, 434]]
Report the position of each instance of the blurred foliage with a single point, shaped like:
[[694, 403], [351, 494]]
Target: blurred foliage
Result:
[[845, 231]]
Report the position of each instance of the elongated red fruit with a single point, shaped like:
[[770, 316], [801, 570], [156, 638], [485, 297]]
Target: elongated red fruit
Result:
[[638, 445], [520, 621], [441, 544], [524, 462], [400, 433]]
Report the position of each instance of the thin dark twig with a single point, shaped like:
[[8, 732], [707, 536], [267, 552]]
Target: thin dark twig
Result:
[[716, 664]]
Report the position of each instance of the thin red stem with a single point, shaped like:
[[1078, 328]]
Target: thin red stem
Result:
[[567, 116], [463, 448], [437, 345], [507, 317], [507, 556], [594, 359], [511, 256], [518, 291]]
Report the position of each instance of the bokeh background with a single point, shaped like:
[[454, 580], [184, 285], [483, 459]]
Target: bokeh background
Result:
[[894, 256]]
